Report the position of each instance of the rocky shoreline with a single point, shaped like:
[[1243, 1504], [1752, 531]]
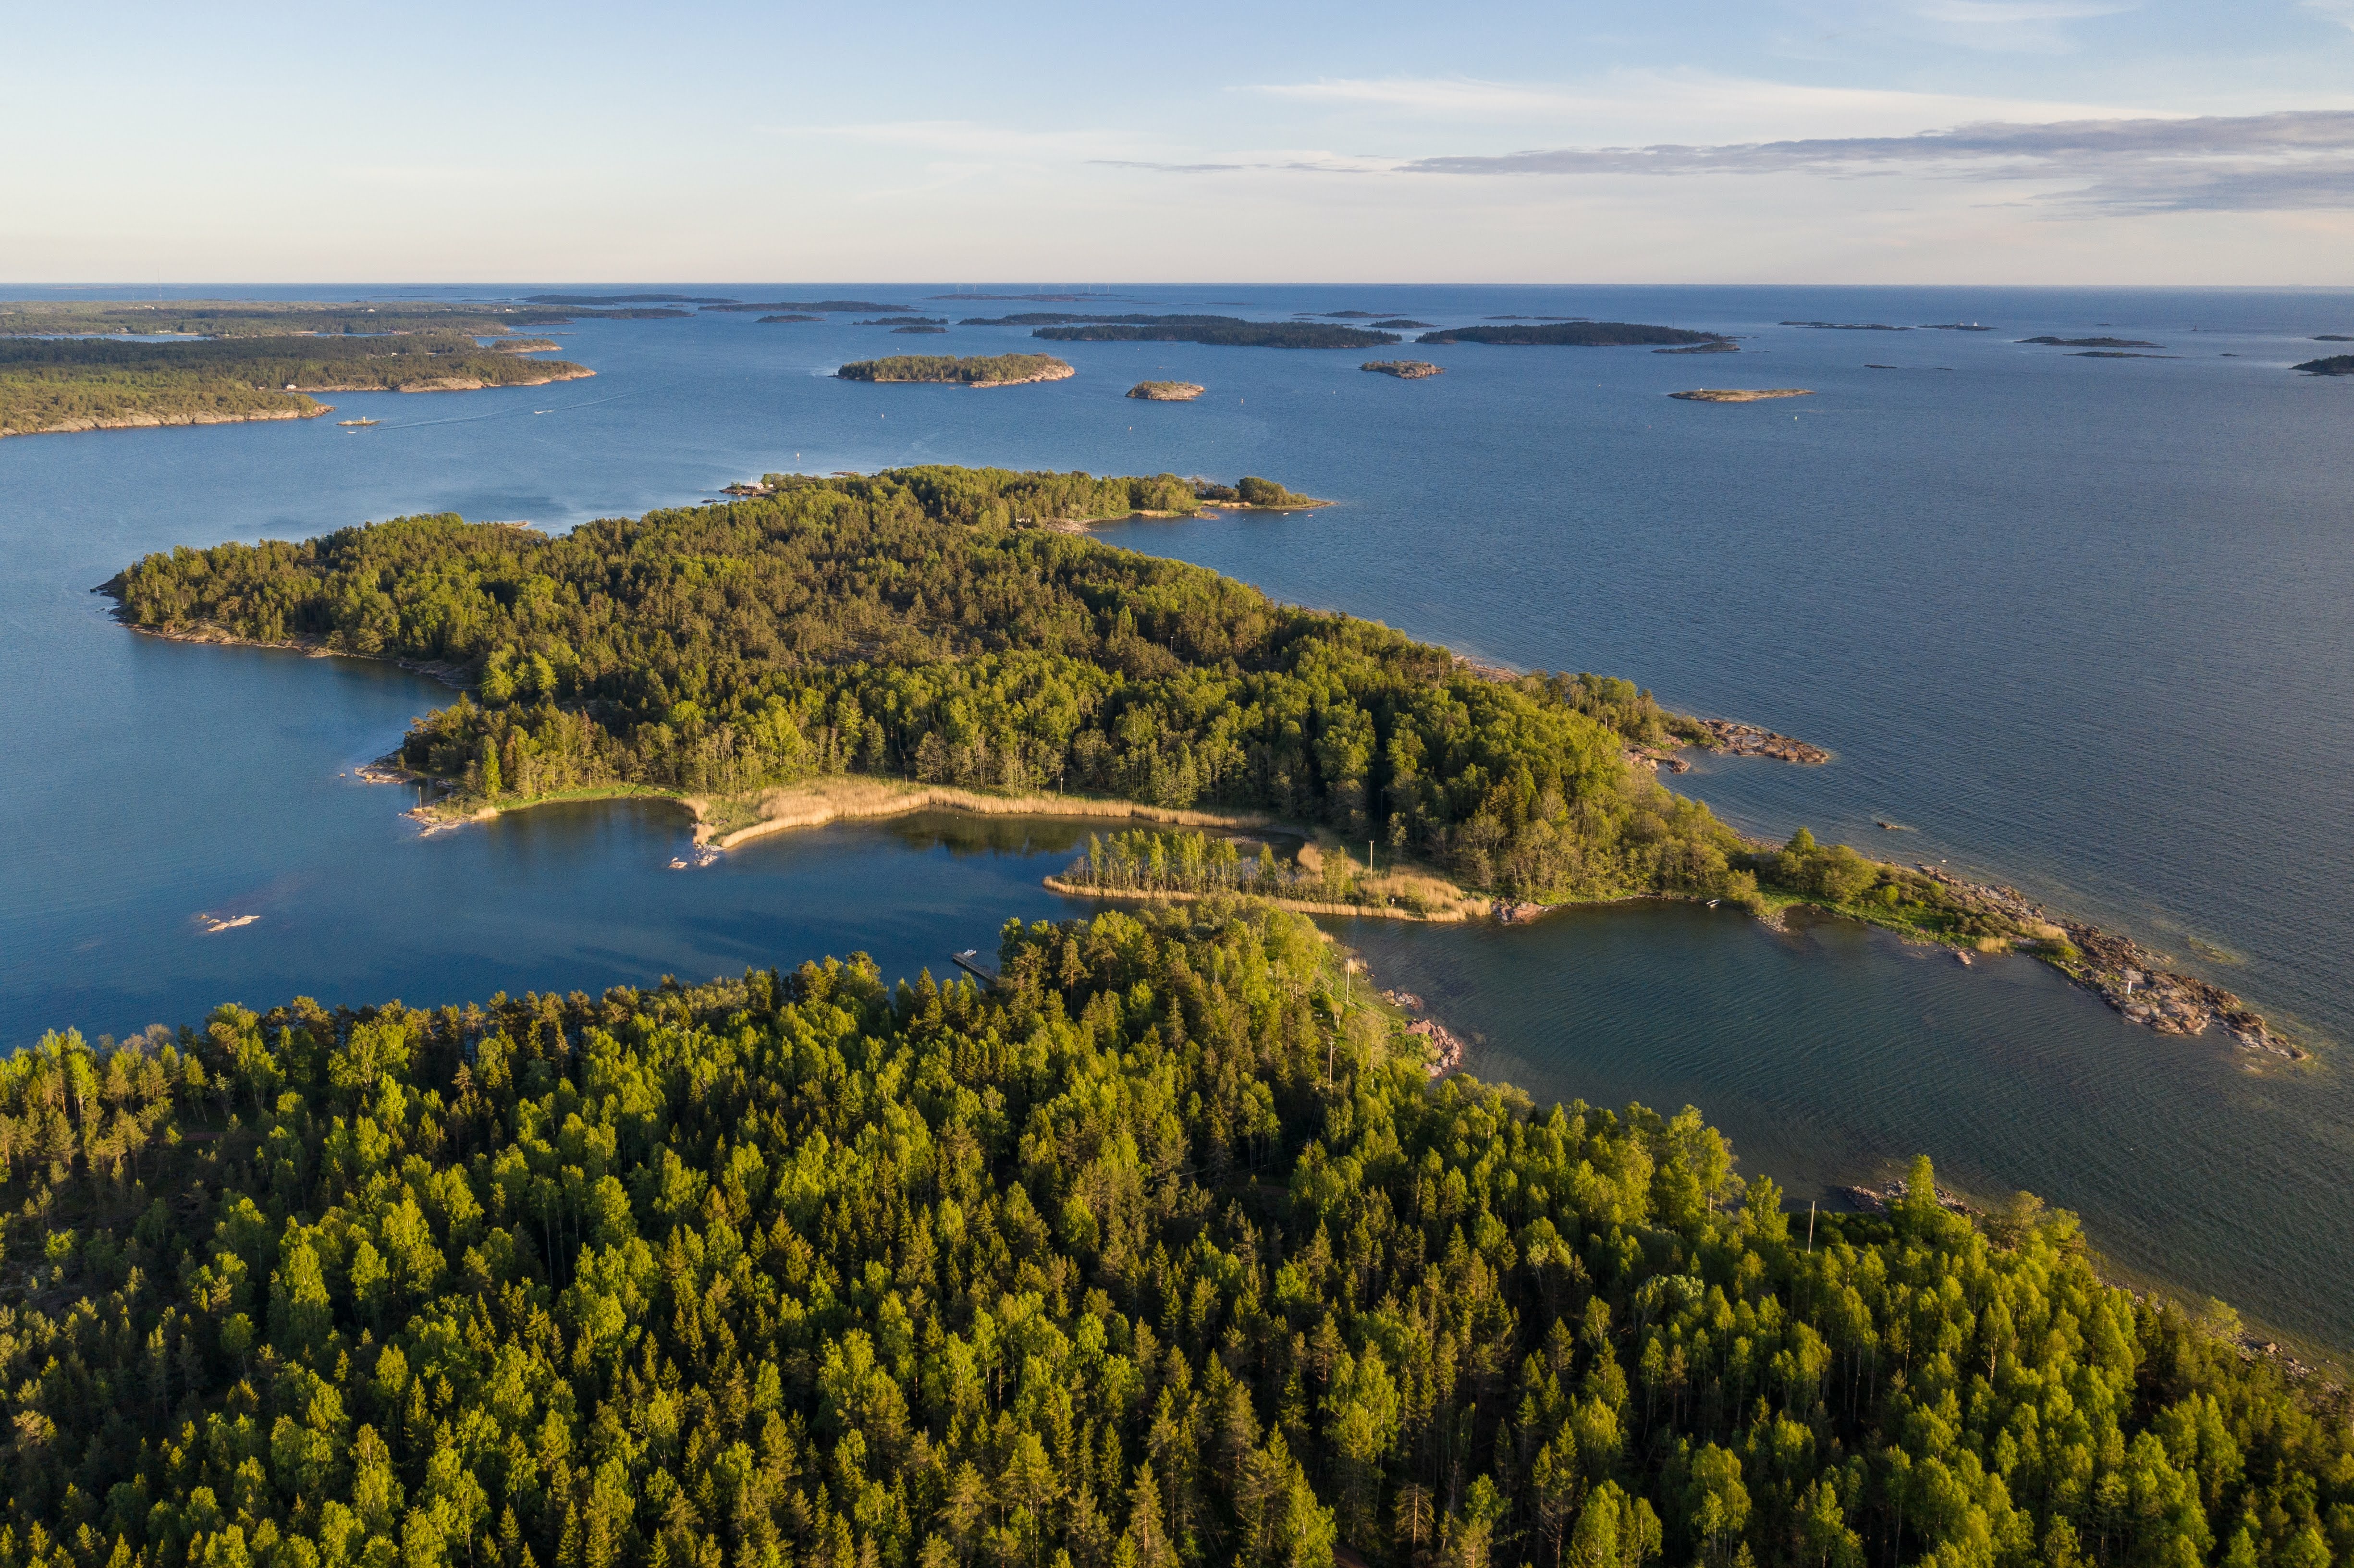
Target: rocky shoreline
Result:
[[1446, 1046], [1748, 740], [2129, 977], [151, 421]]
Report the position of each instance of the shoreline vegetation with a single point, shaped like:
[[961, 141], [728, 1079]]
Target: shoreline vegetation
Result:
[[135, 366], [1170, 1243], [976, 370], [936, 630]]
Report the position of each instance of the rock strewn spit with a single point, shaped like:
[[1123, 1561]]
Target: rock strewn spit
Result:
[[1748, 740], [2130, 978]]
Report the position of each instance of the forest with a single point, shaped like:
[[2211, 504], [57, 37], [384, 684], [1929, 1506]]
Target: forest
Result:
[[1163, 1251], [919, 623], [1574, 334], [971, 370], [52, 383]]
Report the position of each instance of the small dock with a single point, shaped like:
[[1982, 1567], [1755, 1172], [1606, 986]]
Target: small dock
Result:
[[971, 962]]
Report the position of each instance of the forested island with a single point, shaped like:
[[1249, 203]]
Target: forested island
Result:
[[1166, 391], [971, 370], [52, 385], [2336, 364], [1161, 1251], [1575, 334], [2091, 341], [1225, 331], [837, 306]]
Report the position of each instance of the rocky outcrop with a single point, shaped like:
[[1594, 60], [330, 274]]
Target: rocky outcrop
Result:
[[2129, 977], [1404, 369], [1165, 391], [1741, 394], [1748, 740]]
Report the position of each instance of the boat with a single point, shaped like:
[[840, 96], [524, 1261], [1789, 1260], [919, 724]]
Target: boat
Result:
[[1964, 959], [356, 421]]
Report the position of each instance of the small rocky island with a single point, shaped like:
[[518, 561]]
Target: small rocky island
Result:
[[2093, 342], [1404, 369], [1741, 394], [970, 370], [1165, 391]]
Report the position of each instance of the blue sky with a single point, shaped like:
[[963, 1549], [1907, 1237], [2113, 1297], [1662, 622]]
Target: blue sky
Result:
[[1797, 141]]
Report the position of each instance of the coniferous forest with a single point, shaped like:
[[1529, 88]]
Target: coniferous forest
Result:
[[1163, 1252]]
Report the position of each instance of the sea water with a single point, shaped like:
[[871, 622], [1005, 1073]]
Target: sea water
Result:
[[2080, 625]]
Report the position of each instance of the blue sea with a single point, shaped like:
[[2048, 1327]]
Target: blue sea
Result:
[[2084, 625]]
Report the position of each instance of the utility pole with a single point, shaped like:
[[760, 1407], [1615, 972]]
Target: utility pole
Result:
[[1810, 1226]]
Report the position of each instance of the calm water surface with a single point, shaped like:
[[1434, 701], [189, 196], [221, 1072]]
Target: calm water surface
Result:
[[2084, 624]]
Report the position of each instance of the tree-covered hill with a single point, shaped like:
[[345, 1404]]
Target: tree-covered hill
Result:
[[1163, 1255]]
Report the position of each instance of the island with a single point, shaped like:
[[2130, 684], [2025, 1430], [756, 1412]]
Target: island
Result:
[[1400, 324], [926, 630], [1404, 369], [1574, 334], [1165, 391], [59, 384], [903, 321], [920, 329], [1229, 331], [2336, 364], [1717, 346], [1848, 327], [788, 316], [1955, 326], [2091, 341], [835, 307], [2332, 337], [629, 300], [1741, 395], [971, 370]]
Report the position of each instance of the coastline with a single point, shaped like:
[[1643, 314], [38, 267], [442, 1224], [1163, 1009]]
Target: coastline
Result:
[[152, 421], [1297, 906]]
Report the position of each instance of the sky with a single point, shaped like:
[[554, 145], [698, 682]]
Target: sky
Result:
[[2120, 142]]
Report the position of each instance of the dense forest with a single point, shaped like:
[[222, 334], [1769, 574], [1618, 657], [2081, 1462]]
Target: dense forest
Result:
[[67, 383], [971, 370], [1574, 334], [1163, 1253], [915, 624]]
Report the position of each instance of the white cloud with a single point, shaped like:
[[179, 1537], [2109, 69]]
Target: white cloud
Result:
[[2339, 11]]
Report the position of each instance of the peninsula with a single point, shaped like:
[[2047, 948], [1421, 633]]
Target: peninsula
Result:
[[1168, 1227], [1166, 391], [1574, 334], [56, 384], [971, 370], [924, 625]]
